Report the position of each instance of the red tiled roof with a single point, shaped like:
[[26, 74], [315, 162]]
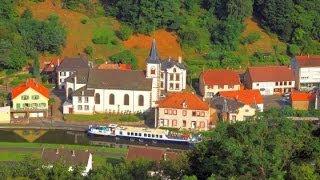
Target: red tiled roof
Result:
[[271, 74], [115, 66], [245, 96], [302, 96], [308, 61], [176, 100], [149, 153], [30, 83], [220, 77], [51, 66]]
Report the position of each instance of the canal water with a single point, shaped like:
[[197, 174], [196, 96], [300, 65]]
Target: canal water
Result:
[[73, 137]]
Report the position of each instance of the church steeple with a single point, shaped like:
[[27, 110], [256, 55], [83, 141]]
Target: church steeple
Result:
[[153, 55]]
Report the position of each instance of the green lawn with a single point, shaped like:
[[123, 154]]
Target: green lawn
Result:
[[17, 156], [103, 118], [115, 150]]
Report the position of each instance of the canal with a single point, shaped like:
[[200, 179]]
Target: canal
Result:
[[74, 137]]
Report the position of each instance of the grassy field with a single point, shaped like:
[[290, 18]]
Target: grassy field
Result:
[[113, 118], [18, 151]]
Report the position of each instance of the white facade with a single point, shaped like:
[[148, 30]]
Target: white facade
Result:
[[62, 75], [153, 72], [112, 101], [306, 77], [270, 88], [173, 79]]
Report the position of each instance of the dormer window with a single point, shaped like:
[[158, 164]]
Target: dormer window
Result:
[[174, 70]]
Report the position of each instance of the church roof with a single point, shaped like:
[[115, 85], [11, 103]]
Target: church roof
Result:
[[166, 64], [153, 55]]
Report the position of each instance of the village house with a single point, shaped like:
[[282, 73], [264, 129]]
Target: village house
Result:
[[153, 154], [49, 70], [307, 72], [183, 110], [30, 99], [5, 115], [213, 81], [235, 106], [108, 91], [270, 80], [168, 75], [232, 110], [302, 100], [69, 66], [71, 158]]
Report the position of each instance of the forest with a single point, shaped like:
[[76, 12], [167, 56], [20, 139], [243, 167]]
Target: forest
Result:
[[268, 147]]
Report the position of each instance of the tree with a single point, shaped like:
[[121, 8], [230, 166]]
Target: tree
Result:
[[125, 57], [125, 32]]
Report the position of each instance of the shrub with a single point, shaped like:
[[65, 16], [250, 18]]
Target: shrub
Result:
[[251, 38], [89, 50], [103, 35], [125, 57], [125, 32], [84, 20], [260, 58], [293, 49]]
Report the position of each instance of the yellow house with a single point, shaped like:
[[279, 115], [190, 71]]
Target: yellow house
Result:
[[5, 114], [30, 99]]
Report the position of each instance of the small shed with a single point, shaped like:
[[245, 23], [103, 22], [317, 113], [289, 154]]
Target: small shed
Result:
[[5, 114]]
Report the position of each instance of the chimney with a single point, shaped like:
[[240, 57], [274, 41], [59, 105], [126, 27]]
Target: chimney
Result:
[[73, 153], [57, 151], [180, 59]]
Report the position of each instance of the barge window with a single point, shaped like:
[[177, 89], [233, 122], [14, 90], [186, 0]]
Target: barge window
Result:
[[139, 134], [131, 133], [136, 134], [145, 135], [120, 132], [153, 135], [128, 133], [149, 135], [157, 136], [160, 136]]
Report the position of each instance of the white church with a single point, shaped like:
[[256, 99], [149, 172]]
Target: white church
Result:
[[91, 90]]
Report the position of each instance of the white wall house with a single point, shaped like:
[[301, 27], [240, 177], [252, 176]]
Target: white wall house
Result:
[[68, 67], [109, 91], [270, 80], [306, 71], [168, 75], [212, 82]]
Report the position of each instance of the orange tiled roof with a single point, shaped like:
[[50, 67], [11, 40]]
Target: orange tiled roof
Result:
[[271, 74], [177, 100], [302, 96], [30, 83], [308, 61], [220, 77], [245, 96]]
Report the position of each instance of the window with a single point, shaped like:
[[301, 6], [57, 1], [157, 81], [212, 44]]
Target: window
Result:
[[136, 134], [174, 123], [170, 111], [86, 99], [18, 105], [128, 133], [177, 77], [97, 98], [149, 135], [34, 105], [79, 107], [198, 113], [43, 105], [126, 99], [230, 86], [111, 99], [161, 84], [166, 111], [202, 114], [202, 124], [153, 71], [152, 135], [35, 97], [285, 83], [184, 112], [234, 118], [69, 93], [177, 86], [290, 83], [62, 73], [174, 112], [220, 86], [141, 100], [184, 123], [79, 99], [145, 135], [194, 113], [160, 136], [257, 84], [24, 97], [86, 107], [277, 83], [280, 83], [247, 110], [171, 77], [174, 70], [161, 75], [139, 134], [171, 85]]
